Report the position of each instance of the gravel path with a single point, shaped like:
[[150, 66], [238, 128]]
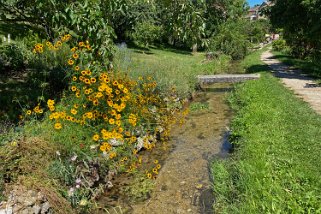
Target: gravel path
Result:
[[302, 85]]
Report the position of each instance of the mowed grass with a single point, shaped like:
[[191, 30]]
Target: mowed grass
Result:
[[276, 164], [169, 67]]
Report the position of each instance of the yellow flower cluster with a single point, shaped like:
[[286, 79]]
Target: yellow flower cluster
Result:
[[122, 115], [154, 171], [39, 48]]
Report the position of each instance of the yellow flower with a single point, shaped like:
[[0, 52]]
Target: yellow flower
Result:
[[155, 161], [58, 126], [73, 111], [50, 102], [158, 166], [112, 155], [70, 62], [58, 43], [93, 80], [74, 78], [118, 116], [111, 121], [75, 56], [73, 88], [81, 44], [96, 137], [77, 68], [28, 112], [149, 175], [74, 49], [155, 171], [90, 115]]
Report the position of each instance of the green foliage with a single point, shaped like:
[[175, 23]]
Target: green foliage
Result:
[[231, 40], [277, 146], [146, 33], [199, 106], [256, 30], [279, 45], [11, 58], [300, 20]]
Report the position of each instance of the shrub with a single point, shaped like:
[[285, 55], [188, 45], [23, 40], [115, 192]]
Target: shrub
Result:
[[146, 33], [11, 57], [279, 45], [231, 40]]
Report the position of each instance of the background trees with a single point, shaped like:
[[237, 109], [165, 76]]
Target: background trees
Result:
[[187, 24], [300, 20]]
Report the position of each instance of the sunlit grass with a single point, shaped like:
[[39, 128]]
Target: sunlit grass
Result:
[[275, 165]]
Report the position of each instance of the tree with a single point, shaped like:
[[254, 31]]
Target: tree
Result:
[[300, 20]]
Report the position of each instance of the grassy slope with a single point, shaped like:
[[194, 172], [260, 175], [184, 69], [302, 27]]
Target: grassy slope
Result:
[[170, 68], [276, 166]]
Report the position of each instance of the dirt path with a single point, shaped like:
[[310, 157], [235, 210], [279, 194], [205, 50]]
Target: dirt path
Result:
[[184, 185], [302, 85]]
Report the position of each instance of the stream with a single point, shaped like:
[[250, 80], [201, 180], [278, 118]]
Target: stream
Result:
[[184, 182]]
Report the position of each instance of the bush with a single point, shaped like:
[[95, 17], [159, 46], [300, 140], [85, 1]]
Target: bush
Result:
[[11, 57], [231, 40], [146, 33], [279, 45]]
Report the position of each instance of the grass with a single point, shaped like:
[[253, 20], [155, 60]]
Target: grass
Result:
[[309, 67], [170, 68], [253, 63], [275, 168]]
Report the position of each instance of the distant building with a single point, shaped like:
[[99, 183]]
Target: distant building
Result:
[[256, 12]]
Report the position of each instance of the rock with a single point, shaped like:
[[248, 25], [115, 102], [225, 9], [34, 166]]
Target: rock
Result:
[[45, 207], [28, 202], [17, 208], [6, 210], [28, 210], [36, 209]]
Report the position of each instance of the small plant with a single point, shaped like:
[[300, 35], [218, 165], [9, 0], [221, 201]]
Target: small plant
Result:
[[199, 106]]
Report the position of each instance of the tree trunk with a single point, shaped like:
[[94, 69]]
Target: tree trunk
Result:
[[194, 48]]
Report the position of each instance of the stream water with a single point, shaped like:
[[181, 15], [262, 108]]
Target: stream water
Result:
[[184, 184]]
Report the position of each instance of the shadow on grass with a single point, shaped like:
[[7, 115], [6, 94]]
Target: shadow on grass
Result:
[[24, 90], [257, 68]]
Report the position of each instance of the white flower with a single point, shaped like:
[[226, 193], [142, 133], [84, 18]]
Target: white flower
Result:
[[78, 181], [58, 153], [73, 158], [71, 191], [77, 186]]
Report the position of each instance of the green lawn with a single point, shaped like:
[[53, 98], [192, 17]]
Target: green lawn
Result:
[[275, 167]]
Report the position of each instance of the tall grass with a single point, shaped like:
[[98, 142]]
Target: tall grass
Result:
[[170, 68], [276, 165]]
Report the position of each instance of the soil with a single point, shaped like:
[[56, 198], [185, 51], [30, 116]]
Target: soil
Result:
[[302, 85]]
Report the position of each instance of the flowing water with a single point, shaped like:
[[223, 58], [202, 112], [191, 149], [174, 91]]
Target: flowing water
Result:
[[184, 184]]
